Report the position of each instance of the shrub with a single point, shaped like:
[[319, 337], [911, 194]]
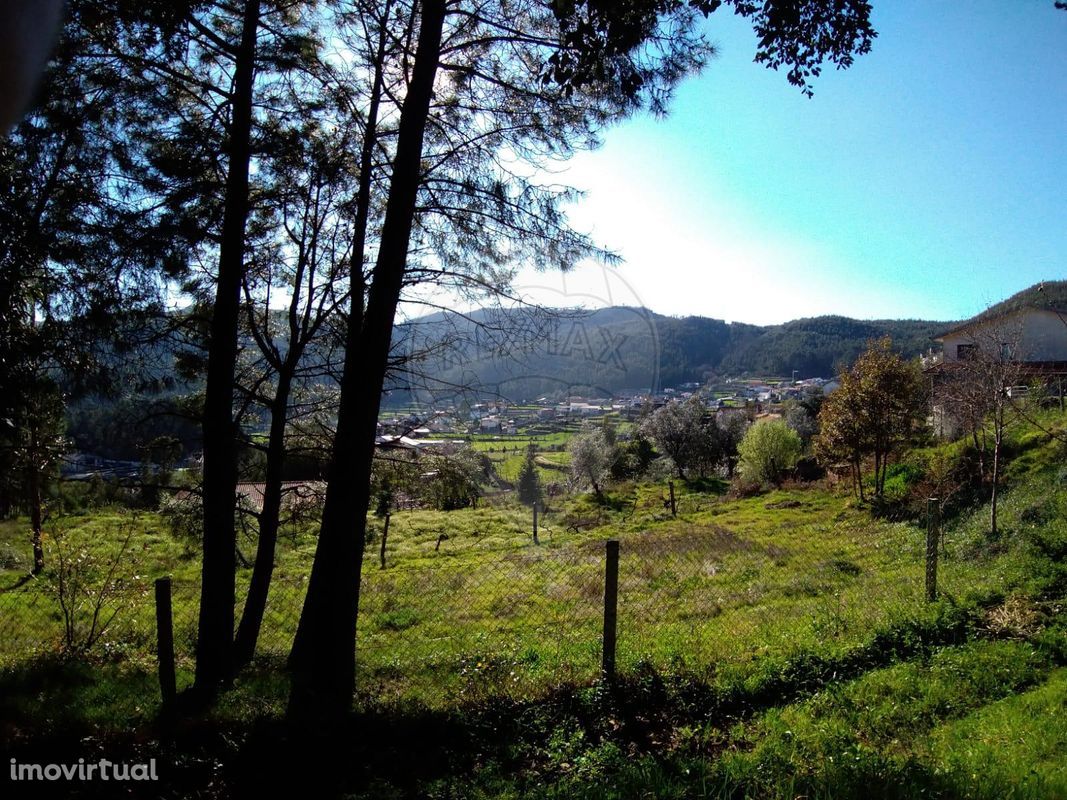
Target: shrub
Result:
[[769, 449], [93, 586]]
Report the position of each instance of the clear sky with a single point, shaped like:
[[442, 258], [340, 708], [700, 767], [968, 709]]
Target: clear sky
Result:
[[927, 181]]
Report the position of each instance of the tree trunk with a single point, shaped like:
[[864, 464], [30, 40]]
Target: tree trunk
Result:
[[385, 536], [995, 481], [214, 649], [269, 523], [36, 515], [323, 658], [981, 454]]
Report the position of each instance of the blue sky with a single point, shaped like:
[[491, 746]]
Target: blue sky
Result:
[[927, 181]]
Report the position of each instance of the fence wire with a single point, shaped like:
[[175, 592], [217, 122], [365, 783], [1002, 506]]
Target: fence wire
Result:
[[448, 629]]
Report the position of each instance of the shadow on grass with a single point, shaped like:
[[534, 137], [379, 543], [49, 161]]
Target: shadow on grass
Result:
[[710, 485], [18, 584], [58, 711]]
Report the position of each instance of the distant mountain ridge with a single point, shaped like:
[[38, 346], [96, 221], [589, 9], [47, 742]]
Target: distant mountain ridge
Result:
[[610, 350]]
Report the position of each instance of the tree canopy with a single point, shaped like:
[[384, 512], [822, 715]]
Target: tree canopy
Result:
[[880, 399], [768, 451]]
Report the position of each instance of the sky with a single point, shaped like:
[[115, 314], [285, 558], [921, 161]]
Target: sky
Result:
[[927, 181]]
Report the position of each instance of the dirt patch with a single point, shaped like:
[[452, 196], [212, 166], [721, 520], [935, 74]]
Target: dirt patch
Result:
[[707, 540]]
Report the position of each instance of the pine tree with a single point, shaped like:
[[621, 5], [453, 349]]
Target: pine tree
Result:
[[529, 483]]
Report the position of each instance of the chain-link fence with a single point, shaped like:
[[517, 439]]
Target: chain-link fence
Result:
[[451, 627]]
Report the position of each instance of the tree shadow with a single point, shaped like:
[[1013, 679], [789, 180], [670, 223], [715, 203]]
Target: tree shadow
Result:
[[18, 584]]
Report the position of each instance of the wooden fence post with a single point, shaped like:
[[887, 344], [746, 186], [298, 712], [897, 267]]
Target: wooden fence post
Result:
[[611, 605], [165, 642], [933, 533], [674, 506], [535, 523]]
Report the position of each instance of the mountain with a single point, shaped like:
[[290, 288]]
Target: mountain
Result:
[[521, 355]]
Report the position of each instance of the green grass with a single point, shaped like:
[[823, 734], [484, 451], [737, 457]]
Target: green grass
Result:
[[469, 608], [769, 646], [980, 720], [1014, 747]]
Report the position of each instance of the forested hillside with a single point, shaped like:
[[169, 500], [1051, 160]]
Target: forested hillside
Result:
[[522, 355], [614, 349]]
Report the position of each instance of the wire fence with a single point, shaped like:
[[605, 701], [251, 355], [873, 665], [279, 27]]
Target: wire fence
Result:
[[447, 627]]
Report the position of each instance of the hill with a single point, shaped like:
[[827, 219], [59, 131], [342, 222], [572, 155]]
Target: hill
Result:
[[1047, 294], [521, 355]]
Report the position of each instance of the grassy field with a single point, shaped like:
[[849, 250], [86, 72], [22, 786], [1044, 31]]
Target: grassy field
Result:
[[769, 646], [468, 607]]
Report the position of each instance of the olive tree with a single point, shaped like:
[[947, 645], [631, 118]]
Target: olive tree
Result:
[[687, 434], [591, 458]]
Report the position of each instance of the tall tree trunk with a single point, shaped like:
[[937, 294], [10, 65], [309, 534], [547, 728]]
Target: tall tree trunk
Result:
[[323, 657], [214, 650], [36, 515], [269, 522]]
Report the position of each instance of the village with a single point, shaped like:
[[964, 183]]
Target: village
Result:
[[437, 427]]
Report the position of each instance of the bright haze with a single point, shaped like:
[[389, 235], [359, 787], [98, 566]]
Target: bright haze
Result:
[[927, 181]]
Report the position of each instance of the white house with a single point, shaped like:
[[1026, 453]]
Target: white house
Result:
[[1034, 336]]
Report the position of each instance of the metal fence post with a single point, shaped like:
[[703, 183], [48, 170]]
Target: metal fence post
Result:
[[933, 533], [165, 642], [674, 506], [611, 604]]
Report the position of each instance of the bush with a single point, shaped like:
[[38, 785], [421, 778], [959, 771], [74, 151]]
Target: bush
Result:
[[184, 514], [453, 481], [93, 585], [769, 450]]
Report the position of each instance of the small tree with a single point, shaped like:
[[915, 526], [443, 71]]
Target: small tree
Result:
[[732, 426], [687, 434], [875, 409], [803, 416], [768, 450], [529, 483], [975, 390], [591, 458], [31, 445], [92, 586], [452, 482], [633, 457]]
